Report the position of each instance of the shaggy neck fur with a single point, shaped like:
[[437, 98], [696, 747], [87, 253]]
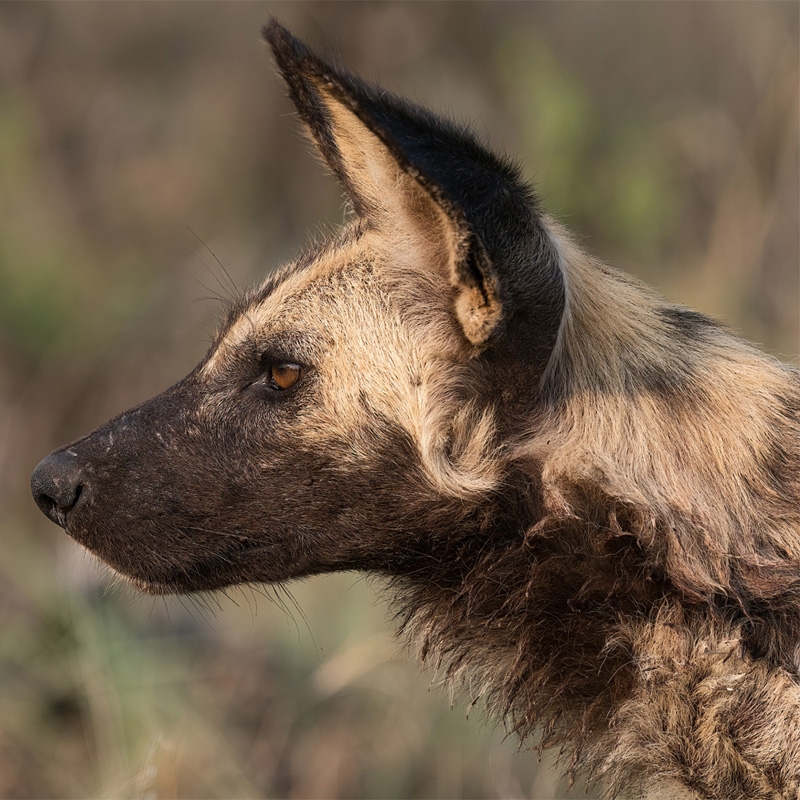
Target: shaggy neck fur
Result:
[[635, 592]]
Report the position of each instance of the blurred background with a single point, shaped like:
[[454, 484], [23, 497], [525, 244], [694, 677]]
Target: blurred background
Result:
[[140, 144]]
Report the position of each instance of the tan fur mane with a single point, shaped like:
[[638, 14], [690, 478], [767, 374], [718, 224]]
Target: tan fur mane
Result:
[[655, 627]]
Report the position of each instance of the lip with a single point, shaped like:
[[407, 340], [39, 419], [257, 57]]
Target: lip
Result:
[[208, 575]]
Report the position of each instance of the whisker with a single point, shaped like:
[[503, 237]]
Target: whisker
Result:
[[231, 283]]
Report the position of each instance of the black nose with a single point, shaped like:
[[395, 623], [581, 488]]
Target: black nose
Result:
[[57, 485]]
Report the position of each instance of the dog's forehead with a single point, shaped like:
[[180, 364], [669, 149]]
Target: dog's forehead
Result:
[[335, 283]]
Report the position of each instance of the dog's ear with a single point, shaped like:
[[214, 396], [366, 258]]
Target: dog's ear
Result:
[[386, 151]]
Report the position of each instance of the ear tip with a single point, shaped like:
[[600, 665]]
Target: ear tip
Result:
[[286, 47], [274, 32]]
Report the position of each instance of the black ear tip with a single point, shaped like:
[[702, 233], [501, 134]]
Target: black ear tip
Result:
[[286, 47], [274, 31]]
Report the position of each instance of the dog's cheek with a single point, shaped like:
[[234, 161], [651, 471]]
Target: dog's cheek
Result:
[[362, 512]]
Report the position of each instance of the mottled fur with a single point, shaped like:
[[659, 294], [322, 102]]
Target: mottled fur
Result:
[[585, 501]]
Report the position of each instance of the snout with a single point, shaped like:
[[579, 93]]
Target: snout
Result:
[[58, 485]]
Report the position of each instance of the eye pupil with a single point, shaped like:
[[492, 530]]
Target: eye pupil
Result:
[[284, 375]]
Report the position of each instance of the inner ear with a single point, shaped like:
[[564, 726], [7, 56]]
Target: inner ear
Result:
[[371, 175], [388, 193]]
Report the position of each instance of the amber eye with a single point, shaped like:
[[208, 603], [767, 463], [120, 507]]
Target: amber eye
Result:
[[284, 375]]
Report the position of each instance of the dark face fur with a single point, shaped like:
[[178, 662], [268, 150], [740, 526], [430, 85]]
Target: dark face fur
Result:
[[205, 486]]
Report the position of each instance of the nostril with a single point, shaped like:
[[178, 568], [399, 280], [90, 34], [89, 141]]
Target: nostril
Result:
[[57, 484]]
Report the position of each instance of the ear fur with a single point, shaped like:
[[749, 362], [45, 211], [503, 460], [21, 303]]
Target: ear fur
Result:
[[502, 263]]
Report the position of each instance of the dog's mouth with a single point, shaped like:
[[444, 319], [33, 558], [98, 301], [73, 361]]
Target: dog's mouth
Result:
[[175, 582], [172, 584], [155, 571]]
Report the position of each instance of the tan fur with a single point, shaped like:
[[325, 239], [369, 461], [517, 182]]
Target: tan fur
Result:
[[408, 246], [680, 450]]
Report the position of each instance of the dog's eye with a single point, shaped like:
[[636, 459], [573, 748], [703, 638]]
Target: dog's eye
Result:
[[283, 375]]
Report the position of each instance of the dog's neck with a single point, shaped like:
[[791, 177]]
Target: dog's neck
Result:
[[589, 648]]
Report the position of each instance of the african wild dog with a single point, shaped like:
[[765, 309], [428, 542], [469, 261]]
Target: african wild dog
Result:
[[584, 499]]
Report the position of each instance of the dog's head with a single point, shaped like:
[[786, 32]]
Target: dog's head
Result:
[[356, 400]]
